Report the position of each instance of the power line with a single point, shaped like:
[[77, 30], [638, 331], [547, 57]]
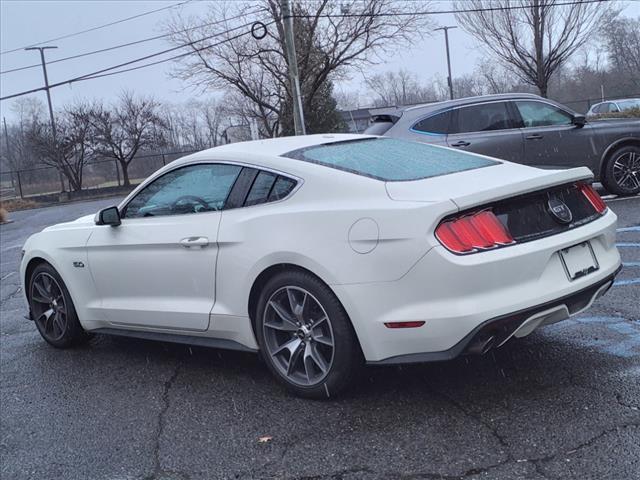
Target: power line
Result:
[[175, 57], [443, 12], [97, 27], [136, 42], [102, 72]]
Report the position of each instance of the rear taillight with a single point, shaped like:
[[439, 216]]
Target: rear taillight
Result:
[[593, 197], [470, 233]]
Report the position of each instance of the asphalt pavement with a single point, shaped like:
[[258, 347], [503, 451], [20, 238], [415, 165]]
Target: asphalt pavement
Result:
[[563, 403]]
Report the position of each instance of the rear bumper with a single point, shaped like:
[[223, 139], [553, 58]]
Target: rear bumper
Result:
[[456, 295], [497, 331]]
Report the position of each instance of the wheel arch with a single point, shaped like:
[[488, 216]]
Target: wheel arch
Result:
[[611, 149], [268, 273], [28, 271]]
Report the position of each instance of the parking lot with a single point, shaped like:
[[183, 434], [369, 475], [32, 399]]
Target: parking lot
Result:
[[561, 403]]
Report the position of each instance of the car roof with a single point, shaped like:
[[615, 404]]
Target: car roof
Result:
[[399, 110], [276, 147]]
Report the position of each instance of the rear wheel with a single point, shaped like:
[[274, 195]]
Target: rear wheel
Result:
[[622, 171], [52, 309], [305, 336]]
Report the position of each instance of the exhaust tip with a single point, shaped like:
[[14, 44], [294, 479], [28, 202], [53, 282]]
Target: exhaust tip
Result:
[[482, 345]]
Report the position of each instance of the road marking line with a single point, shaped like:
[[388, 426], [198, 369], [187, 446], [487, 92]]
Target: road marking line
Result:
[[633, 281], [631, 264], [629, 229], [628, 244], [11, 247]]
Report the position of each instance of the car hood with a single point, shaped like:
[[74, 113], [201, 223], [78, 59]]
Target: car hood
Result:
[[473, 187], [81, 222]]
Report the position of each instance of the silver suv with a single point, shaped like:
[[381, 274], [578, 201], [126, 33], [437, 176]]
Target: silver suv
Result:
[[524, 128]]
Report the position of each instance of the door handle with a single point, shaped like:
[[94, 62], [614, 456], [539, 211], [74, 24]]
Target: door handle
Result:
[[535, 136], [461, 143], [194, 242]]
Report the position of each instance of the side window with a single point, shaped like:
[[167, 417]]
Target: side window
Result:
[[281, 188], [260, 189], [190, 189], [539, 114], [268, 187], [437, 124], [481, 118], [598, 108]]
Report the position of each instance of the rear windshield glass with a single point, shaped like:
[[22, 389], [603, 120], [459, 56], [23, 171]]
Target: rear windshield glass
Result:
[[389, 159]]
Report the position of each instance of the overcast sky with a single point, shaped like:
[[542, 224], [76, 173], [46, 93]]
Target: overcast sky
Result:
[[28, 22]]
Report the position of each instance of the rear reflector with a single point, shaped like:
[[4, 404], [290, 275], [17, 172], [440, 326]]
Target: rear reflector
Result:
[[469, 233], [403, 324], [593, 197]]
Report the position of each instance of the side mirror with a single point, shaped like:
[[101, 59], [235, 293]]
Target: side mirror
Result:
[[579, 120], [108, 216]]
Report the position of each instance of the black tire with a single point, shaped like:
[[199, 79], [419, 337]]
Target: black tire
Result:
[[623, 161], [60, 328], [346, 358]]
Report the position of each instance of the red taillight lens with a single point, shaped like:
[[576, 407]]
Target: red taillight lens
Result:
[[469, 233], [593, 197]]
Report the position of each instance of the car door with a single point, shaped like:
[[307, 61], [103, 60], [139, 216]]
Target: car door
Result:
[[486, 128], [157, 268], [552, 140]]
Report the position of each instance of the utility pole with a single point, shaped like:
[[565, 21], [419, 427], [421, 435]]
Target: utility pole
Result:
[[298, 113], [446, 40], [47, 89]]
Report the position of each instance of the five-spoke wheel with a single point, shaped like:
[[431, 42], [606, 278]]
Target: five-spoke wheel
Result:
[[298, 335], [622, 171], [305, 336], [48, 306], [52, 308]]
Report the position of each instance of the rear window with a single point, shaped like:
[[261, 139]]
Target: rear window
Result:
[[389, 159]]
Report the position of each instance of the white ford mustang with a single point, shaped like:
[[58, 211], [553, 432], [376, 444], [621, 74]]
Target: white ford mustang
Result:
[[323, 251]]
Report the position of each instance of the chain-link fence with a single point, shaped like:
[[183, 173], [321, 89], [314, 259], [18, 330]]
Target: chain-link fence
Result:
[[96, 175]]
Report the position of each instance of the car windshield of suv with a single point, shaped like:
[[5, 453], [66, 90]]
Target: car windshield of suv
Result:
[[389, 159]]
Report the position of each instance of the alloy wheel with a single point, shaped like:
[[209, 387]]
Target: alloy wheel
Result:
[[626, 171], [48, 306], [298, 335]]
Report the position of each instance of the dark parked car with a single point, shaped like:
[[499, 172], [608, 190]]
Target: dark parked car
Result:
[[526, 129]]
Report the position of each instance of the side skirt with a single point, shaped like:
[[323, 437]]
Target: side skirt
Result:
[[173, 338]]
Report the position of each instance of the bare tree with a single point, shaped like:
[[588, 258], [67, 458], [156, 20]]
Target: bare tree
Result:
[[399, 88], [622, 40], [131, 125], [532, 38], [329, 45], [195, 124], [72, 147]]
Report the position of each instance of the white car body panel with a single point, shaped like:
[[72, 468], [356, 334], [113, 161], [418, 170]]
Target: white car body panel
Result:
[[371, 241]]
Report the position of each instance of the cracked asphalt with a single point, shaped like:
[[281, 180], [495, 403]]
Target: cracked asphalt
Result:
[[562, 403]]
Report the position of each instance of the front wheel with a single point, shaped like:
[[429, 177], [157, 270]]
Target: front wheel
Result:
[[52, 309], [305, 336], [622, 171]]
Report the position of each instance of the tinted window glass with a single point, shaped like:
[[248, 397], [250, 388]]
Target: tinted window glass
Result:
[[192, 189], [482, 118], [260, 189], [538, 114], [390, 159], [281, 189], [438, 123]]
